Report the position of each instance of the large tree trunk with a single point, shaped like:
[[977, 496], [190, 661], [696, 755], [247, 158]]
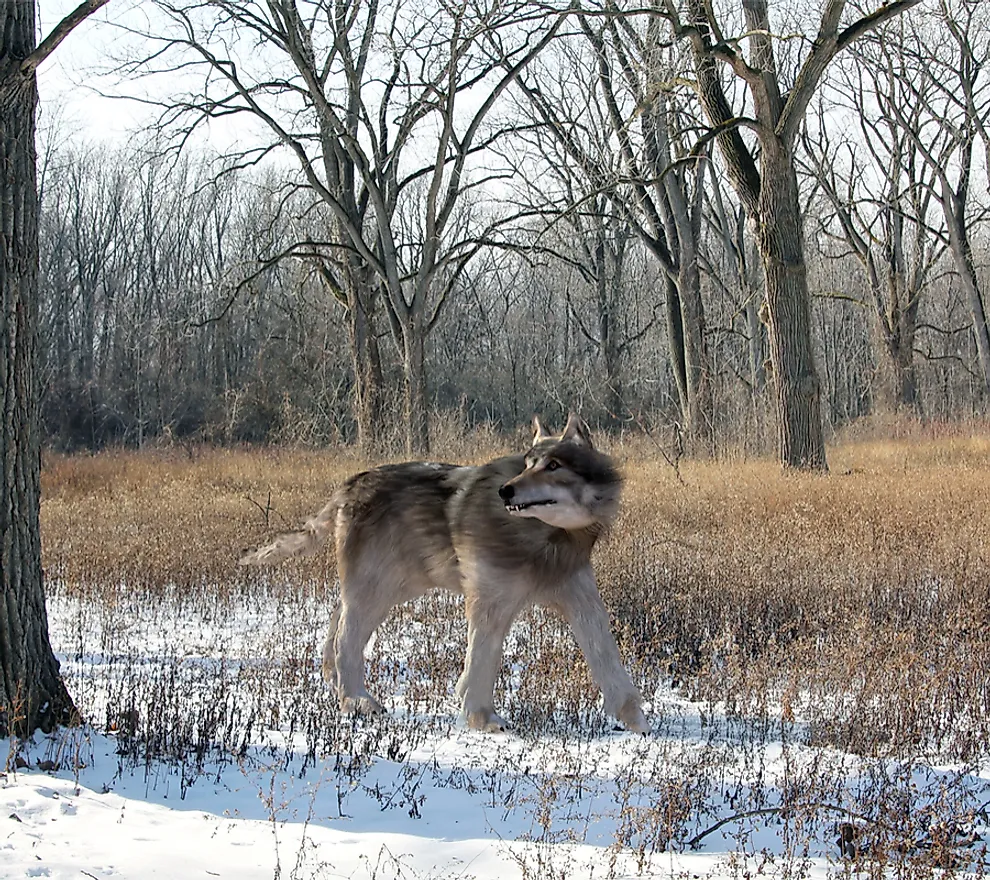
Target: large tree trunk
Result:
[[963, 256], [904, 382], [788, 313], [896, 297], [32, 693], [898, 328], [355, 289], [414, 373], [897, 373], [675, 340], [766, 183], [368, 382], [697, 370]]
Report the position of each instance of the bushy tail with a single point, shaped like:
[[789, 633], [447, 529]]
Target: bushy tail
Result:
[[305, 542]]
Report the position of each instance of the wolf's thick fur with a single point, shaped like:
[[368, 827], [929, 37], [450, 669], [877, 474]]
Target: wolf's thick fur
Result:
[[507, 534]]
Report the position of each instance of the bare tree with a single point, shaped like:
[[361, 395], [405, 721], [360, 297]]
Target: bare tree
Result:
[[622, 136], [732, 268], [764, 176], [583, 226], [879, 190], [602, 246], [32, 693], [946, 115], [383, 107]]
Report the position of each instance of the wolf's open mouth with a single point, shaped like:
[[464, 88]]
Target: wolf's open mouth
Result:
[[517, 507]]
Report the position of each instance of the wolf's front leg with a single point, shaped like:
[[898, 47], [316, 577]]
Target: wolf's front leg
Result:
[[488, 625], [581, 604]]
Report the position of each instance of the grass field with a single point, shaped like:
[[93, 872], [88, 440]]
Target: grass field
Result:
[[845, 616], [747, 585]]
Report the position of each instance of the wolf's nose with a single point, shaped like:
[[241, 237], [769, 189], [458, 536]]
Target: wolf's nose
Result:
[[506, 492]]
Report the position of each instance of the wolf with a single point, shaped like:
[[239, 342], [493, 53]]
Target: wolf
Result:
[[507, 534]]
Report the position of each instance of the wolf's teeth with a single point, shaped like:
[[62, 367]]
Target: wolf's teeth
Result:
[[515, 508]]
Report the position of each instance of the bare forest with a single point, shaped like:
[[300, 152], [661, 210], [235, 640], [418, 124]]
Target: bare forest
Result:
[[473, 212]]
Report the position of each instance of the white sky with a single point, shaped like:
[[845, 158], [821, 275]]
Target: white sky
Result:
[[72, 79], [66, 80]]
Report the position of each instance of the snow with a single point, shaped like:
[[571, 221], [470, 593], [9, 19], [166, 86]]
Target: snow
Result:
[[282, 786]]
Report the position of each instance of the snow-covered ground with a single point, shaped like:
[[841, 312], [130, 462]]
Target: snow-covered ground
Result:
[[239, 766]]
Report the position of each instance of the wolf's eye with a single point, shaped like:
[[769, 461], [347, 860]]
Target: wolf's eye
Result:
[[552, 465]]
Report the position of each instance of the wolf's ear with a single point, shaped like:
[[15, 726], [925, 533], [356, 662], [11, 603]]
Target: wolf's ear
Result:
[[540, 433], [578, 431]]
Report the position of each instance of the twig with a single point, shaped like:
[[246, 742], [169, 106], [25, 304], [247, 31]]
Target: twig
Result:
[[675, 462], [638, 420], [770, 811], [266, 510]]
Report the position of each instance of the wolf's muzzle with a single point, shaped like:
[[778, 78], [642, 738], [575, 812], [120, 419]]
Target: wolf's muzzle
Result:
[[507, 493]]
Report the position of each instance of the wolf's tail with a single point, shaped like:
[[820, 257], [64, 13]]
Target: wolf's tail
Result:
[[307, 541]]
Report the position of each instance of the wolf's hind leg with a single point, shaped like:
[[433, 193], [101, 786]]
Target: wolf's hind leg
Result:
[[581, 604], [329, 664], [488, 625], [356, 622]]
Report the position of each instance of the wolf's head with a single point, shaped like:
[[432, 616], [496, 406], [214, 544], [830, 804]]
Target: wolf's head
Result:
[[567, 483]]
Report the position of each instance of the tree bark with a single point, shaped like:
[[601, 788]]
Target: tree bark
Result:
[[904, 384], [414, 374], [675, 340], [796, 384], [898, 328], [365, 357], [32, 693], [697, 369], [366, 360], [962, 254]]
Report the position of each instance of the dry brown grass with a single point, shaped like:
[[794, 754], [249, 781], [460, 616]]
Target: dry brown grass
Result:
[[166, 518], [859, 601]]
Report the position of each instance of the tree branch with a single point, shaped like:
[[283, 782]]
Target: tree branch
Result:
[[865, 24], [48, 45], [827, 45]]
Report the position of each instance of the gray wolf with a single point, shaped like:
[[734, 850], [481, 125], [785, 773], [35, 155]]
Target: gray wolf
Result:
[[507, 534]]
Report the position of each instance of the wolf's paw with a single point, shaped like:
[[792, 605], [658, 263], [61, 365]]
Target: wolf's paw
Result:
[[487, 720], [363, 705], [632, 717]]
